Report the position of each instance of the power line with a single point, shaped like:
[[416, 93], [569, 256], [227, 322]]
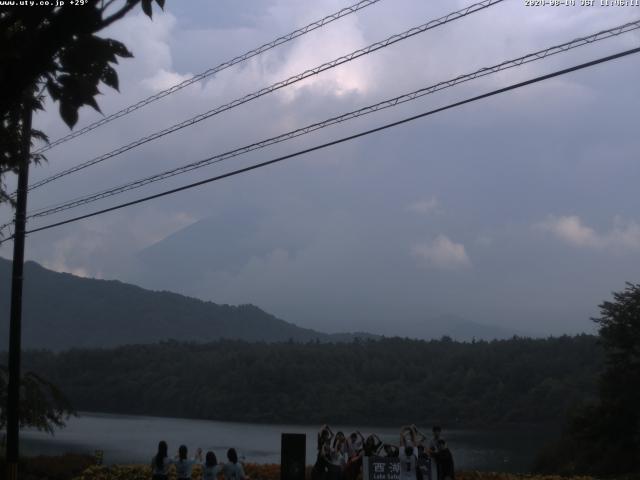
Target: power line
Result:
[[341, 140], [212, 71], [531, 57], [276, 86]]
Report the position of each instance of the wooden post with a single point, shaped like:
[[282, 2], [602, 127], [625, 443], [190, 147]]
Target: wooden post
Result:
[[15, 326]]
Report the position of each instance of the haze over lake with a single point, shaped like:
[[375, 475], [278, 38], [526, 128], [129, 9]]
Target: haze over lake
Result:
[[133, 439]]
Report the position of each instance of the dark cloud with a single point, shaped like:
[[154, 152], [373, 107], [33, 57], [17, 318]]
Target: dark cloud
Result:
[[450, 215]]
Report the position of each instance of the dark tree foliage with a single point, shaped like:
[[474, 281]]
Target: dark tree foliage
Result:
[[54, 49], [390, 381], [57, 50], [603, 437], [42, 404]]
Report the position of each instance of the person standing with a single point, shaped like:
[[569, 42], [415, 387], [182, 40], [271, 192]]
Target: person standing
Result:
[[433, 444], [444, 460], [232, 470], [408, 459], [161, 462], [211, 467], [184, 466], [390, 450], [355, 444], [434, 448], [372, 445], [339, 455]]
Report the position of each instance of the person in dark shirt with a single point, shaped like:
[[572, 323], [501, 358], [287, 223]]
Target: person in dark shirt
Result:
[[390, 450], [372, 445], [444, 461], [433, 445], [434, 448], [423, 471], [324, 436]]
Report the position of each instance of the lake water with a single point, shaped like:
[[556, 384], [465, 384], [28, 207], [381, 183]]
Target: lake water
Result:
[[134, 439]]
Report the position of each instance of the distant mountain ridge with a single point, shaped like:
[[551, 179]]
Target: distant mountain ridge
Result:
[[460, 329], [62, 311], [217, 251]]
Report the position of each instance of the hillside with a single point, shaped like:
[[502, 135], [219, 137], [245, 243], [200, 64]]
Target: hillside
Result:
[[63, 311], [231, 252], [390, 381]]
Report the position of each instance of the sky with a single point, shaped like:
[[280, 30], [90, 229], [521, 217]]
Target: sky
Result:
[[519, 211]]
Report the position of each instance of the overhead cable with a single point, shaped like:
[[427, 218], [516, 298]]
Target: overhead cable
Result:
[[276, 86], [212, 71], [531, 57], [515, 86]]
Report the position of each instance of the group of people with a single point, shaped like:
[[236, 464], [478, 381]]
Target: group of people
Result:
[[340, 457], [162, 463]]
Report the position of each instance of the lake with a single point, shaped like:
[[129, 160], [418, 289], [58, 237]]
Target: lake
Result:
[[134, 439]]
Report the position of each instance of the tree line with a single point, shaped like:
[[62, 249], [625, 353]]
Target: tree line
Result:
[[387, 381], [602, 437]]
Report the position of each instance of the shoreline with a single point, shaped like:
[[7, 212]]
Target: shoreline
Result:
[[134, 439], [453, 425]]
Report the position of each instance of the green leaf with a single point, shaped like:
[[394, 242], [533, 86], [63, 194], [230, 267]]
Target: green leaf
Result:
[[119, 49], [110, 77], [69, 113], [39, 135], [146, 8], [54, 90], [91, 101], [160, 3]]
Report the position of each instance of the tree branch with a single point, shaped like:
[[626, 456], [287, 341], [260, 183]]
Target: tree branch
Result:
[[118, 15], [107, 5]]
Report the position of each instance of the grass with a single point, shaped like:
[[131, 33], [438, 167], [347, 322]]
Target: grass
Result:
[[82, 467]]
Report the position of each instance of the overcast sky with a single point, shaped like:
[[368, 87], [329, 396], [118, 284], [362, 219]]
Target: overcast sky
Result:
[[519, 211]]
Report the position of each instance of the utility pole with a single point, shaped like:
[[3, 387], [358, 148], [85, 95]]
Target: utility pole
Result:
[[15, 325]]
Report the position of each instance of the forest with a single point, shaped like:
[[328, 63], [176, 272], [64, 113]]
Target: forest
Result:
[[388, 381]]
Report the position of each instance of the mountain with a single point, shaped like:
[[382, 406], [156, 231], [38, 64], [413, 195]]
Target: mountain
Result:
[[62, 311], [460, 329], [222, 242], [310, 278]]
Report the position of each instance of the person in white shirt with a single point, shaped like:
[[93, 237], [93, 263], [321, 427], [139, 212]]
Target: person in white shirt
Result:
[[232, 470], [408, 459], [184, 465], [339, 455], [211, 467], [161, 462], [354, 444], [415, 438], [408, 463], [354, 449]]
